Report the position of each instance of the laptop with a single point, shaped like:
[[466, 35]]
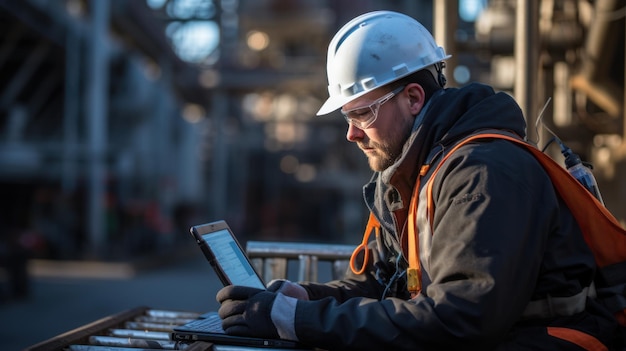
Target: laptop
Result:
[[221, 248]]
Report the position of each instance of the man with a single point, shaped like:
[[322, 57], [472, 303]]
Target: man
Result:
[[500, 257]]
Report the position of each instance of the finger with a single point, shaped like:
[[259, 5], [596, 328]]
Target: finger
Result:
[[231, 308], [224, 293], [232, 320], [238, 329]]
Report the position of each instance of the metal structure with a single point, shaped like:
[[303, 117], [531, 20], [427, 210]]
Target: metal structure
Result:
[[568, 56], [111, 145], [93, 140], [271, 259]]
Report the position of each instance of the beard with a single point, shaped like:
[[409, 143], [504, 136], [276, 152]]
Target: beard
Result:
[[381, 156]]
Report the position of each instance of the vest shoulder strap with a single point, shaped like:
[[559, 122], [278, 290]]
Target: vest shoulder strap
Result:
[[591, 215]]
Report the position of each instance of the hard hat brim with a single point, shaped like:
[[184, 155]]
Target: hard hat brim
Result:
[[334, 103]]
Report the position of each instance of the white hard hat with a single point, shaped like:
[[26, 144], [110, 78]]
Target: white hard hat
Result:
[[375, 49]]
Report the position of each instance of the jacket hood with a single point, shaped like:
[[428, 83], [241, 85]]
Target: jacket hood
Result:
[[452, 114], [459, 112]]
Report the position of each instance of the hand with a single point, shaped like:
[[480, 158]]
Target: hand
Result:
[[247, 311], [288, 288]]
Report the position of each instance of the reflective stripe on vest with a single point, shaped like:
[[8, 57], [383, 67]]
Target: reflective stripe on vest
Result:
[[556, 306]]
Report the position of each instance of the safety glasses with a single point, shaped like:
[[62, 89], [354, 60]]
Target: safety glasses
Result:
[[363, 117]]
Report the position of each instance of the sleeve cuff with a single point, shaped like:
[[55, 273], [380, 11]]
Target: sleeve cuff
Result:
[[283, 316]]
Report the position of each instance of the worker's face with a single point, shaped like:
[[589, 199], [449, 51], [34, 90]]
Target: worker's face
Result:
[[382, 141]]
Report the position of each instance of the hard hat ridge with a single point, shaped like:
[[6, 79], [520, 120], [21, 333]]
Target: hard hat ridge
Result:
[[375, 49]]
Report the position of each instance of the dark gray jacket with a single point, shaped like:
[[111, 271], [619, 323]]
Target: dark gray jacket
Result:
[[501, 237]]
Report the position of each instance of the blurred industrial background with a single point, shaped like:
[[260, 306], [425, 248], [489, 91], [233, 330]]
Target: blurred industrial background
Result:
[[124, 122]]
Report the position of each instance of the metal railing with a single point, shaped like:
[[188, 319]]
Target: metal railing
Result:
[[271, 258]]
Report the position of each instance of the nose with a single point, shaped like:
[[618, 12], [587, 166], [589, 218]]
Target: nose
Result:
[[354, 134]]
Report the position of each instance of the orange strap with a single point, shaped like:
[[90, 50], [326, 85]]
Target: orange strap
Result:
[[414, 272], [429, 186], [579, 338], [372, 225], [583, 205]]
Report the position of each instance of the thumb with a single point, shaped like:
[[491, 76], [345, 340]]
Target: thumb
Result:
[[275, 285]]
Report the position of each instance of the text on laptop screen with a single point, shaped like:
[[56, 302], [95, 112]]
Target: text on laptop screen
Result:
[[232, 259]]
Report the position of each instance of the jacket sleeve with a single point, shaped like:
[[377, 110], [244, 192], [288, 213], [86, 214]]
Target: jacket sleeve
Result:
[[494, 209]]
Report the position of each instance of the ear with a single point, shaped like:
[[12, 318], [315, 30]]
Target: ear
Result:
[[417, 98]]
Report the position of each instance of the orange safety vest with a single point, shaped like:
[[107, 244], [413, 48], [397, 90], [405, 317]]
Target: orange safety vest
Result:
[[602, 232]]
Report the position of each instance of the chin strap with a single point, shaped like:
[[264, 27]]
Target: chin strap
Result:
[[441, 78]]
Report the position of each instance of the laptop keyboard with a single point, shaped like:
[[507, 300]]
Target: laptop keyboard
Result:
[[211, 324]]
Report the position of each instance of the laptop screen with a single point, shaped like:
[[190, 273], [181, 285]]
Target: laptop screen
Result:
[[232, 260]]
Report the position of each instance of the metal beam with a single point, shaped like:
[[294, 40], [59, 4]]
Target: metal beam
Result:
[[96, 114], [595, 79], [219, 159], [71, 112], [527, 47], [446, 13]]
